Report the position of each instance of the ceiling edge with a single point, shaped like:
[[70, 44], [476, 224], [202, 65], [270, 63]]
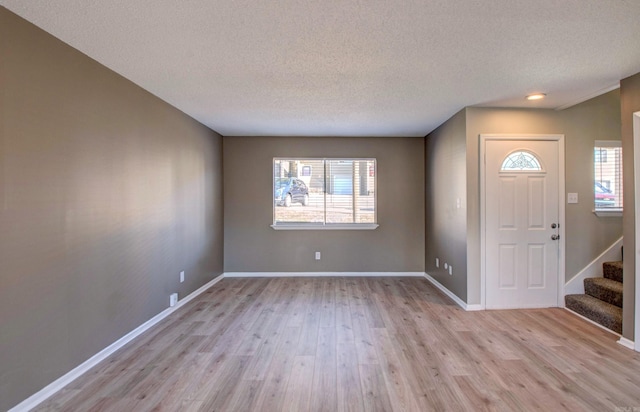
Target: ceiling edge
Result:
[[589, 96]]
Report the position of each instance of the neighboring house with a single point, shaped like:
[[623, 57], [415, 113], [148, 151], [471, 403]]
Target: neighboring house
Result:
[[107, 193]]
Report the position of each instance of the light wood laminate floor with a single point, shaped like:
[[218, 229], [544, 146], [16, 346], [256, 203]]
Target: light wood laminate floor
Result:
[[357, 344]]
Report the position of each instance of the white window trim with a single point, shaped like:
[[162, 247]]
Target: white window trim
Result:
[[607, 143], [322, 226], [611, 212]]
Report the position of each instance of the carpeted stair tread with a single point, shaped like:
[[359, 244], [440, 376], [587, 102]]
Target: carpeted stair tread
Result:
[[612, 270], [604, 289], [606, 314]]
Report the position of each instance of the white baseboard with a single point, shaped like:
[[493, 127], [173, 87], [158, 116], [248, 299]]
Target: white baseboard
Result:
[[575, 286], [451, 295], [319, 274], [46, 392], [627, 343]]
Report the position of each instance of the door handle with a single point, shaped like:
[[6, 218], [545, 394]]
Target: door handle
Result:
[[555, 237], [555, 225]]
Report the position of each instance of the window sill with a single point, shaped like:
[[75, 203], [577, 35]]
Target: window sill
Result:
[[613, 212], [321, 226]]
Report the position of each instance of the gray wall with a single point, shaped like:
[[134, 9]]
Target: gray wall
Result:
[[445, 223], [630, 103], [106, 193], [586, 234], [251, 245]]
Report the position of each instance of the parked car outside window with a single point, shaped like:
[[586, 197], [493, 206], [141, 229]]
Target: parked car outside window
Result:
[[289, 190], [604, 196]]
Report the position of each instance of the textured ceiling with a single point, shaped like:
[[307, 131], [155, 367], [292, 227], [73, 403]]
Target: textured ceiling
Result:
[[350, 67]]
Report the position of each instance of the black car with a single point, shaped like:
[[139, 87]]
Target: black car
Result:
[[288, 190]]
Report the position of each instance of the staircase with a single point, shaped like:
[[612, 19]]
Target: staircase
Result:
[[602, 301]]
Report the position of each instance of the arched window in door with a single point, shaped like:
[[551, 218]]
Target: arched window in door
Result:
[[521, 161]]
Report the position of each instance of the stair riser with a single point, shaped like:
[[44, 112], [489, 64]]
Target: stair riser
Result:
[[603, 294], [612, 271], [611, 319]]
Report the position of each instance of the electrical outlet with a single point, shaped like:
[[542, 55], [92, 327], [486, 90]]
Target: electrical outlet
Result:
[[182, 276], [446, 266], [450, 270], [173, 299], [437, 262], [318, 255]]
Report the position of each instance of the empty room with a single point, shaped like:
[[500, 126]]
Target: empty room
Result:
[[304, 206]]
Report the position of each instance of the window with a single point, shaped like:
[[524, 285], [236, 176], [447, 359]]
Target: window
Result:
[[600, 155], [608, 176], [521, 161], [324, 193]]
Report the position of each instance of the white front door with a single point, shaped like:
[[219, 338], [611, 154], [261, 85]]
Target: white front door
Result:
[[521, 196]]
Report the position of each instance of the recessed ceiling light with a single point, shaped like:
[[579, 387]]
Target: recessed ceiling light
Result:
[[536, 96]]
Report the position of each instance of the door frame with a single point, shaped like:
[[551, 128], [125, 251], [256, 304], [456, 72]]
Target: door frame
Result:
[[636, 172], [561, 206]]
